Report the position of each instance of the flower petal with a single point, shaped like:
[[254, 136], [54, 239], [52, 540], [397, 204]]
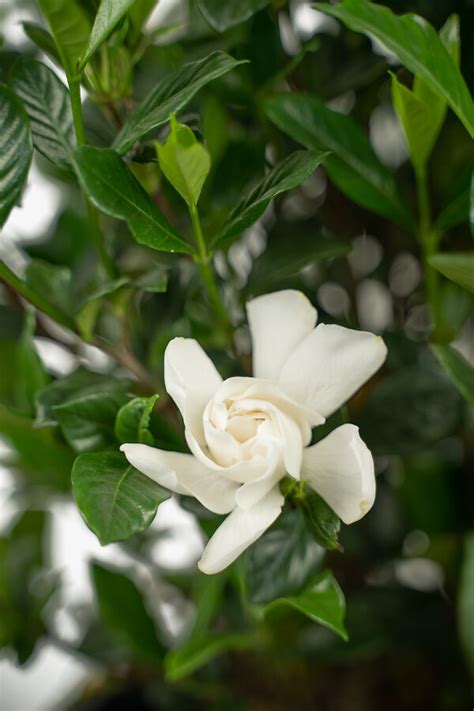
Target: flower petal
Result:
[[330, 365], [183, 474], [341, 469], [239, 530], [249, 494], [278, 322], [191, 379]]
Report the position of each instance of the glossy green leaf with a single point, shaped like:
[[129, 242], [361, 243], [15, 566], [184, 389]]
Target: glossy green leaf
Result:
[[466, 601], [457, 266], [170, 95], [109, 14], [322, 602], [185, 660], [124, 613], [133, 420], [79, 384], [115, 499], [114, 189], [321, 520], [457, 367], [32, 375], [42, 39], [16, 149], [222, 15], [417, 45], [284, 176], [282, 560], [70, 28], [352, 163], [184, 161], [48, 106], [87, 421]]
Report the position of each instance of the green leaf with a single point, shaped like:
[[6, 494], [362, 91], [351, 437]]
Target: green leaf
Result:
[[284, 176], [42, 39], [115, 190], [184, 161], [466, 601], [115, 499], [88, 420], [154, 281], [417, 45], [457, 367], [182, 662], [410, 410], [70, 28], [52, 282], [321, 520], [281, 261], [79, 384], [37, 454], [16, 149], [419, 125], [170, 95], [282, 560], [322, 602], [31, 374], [109, 14], [48, 106], [422, 111], [352, 164], [125, 615], [455, 212], [222, 15], [24, 589], [133, 420], [457, 266]]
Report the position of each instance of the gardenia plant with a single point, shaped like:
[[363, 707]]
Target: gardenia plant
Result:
[[246, 434]]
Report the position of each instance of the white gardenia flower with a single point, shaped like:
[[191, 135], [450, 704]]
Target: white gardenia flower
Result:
[[246, 434]]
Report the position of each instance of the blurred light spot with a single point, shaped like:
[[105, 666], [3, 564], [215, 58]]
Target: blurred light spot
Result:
[[365, 256], [386, 136], [308, 22], [256, 240], [183, 545], [464, 343], [56, 358], [418, 322], [405, 274], [240, 260], [374, 305], [39, 206], [243, 344], [315, 185], [383, 51], [289, 40], [12, 30], [334, 299], [94, 358], [344, 103], [419, 574], [416, 543], [220, 265], [296, 207], [8, 508]]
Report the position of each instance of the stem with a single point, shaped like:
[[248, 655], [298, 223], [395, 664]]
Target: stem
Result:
[[121, 355], [32, 297], [204, 261], [429, 240], [92, 215]]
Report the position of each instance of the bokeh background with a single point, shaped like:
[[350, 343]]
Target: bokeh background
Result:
[[404, 566]]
